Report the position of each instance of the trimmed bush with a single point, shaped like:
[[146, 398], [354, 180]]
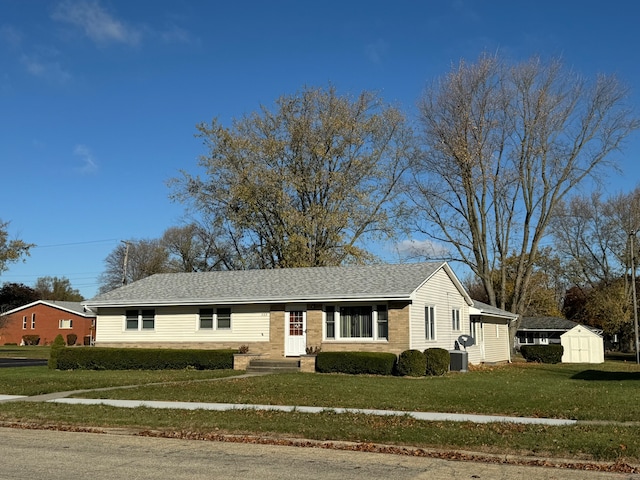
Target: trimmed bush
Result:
[[56, 347], [31, 339], [143, 359], [437, 361], [71, 339], [542, 353], [372, 363], [412, 363]]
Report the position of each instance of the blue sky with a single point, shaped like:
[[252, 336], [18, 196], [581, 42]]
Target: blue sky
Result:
[[100, 98]]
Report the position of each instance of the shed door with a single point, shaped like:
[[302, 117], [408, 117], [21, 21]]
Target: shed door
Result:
[[295, 333]]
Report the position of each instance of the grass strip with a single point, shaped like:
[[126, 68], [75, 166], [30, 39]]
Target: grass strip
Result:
[[608, 392], [579, 442]]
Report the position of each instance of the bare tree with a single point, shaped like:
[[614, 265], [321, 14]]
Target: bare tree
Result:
[[143, 258], [504, 144], [303, 184]]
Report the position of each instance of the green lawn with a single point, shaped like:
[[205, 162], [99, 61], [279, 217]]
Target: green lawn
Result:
[[603, 392], [588, 392]]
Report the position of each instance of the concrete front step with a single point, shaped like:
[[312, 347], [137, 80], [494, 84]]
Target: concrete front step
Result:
[[273, 365]]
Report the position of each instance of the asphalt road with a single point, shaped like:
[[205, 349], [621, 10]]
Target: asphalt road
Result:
[[22, 362], [52, 455]]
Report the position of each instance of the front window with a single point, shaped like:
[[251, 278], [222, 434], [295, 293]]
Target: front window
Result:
[[224, 318], [24, 323], [455, 319], [330, 329], [211, 318], [65, 324], [368, 322], [430, 322], [356, 322], [137, 319], [148, 319], [33, 321], [383, 321], [206, 318]]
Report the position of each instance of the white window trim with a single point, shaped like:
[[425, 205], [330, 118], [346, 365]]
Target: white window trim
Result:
[[430, 321], [337, 324], [33, 321], [63, 321], [456, 322], [24, 322], [214, 323], [140, 320]]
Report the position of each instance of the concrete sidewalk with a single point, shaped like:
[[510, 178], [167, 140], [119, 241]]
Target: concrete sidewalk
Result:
[[427, 416], [63, 397]]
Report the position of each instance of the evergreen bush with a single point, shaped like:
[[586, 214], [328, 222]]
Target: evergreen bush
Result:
[[96, 358], [542, 353], [56, 347], [372, 363], [437, 361], [412, 363]]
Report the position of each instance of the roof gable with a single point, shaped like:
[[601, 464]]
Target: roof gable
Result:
[[71, 307], [370, 282]]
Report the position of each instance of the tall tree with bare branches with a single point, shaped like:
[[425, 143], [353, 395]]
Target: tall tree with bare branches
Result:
[[504, 144]]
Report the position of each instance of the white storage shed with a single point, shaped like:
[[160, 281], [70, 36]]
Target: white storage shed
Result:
[[582, 345]]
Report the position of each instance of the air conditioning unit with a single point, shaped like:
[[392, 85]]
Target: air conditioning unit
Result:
[[458, 360]]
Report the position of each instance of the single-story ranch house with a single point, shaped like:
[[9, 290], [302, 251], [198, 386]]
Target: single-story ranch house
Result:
[[283, 312], [46, 319]]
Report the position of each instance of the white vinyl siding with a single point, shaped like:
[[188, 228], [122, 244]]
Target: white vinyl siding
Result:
[[496, 348], [441, 293], [250, 323]]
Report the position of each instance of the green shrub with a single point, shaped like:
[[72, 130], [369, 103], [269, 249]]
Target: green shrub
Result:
[[143, 359], [372, 363], [71, 339], [542, 353], [437, 361], [31, 339], [411, 363], [56, 347]]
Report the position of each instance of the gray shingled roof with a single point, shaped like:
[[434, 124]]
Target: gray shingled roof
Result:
[[382, 281], [486, 309], [546, 323]]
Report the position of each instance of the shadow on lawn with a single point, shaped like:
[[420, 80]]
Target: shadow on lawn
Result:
[[604, 375]]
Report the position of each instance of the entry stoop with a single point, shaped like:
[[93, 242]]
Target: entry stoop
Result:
[[265, 365]]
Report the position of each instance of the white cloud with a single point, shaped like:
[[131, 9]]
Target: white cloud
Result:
[[49, 70], [422, 249], [10, 36], [377, 51], [89, 164], [98, 24]]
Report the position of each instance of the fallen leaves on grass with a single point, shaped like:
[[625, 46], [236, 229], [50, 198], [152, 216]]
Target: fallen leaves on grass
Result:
[[617, 467]]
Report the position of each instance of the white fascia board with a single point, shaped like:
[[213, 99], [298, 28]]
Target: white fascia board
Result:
[[244, 301]]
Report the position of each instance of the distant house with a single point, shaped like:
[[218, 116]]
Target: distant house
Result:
[[45, 319], [544, 330], [283, 312]]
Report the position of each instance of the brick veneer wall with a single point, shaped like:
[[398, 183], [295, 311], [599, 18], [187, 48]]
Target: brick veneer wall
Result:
[[47, 325]]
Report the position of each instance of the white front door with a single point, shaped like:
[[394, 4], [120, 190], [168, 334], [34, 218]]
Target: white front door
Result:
[[295, 333]]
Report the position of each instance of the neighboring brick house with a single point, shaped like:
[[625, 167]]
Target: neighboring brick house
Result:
[[46, 319], [282, 312]]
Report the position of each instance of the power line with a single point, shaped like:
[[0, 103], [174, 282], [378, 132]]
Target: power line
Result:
[[76, 243]]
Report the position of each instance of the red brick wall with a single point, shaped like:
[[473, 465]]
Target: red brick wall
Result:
[[46, 325]]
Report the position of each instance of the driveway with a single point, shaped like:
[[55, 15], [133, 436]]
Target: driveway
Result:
[[22, 362]]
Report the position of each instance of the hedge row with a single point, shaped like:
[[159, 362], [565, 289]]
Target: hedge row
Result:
[[433, 361], [373, 363], [542, 353], [97, 358]]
